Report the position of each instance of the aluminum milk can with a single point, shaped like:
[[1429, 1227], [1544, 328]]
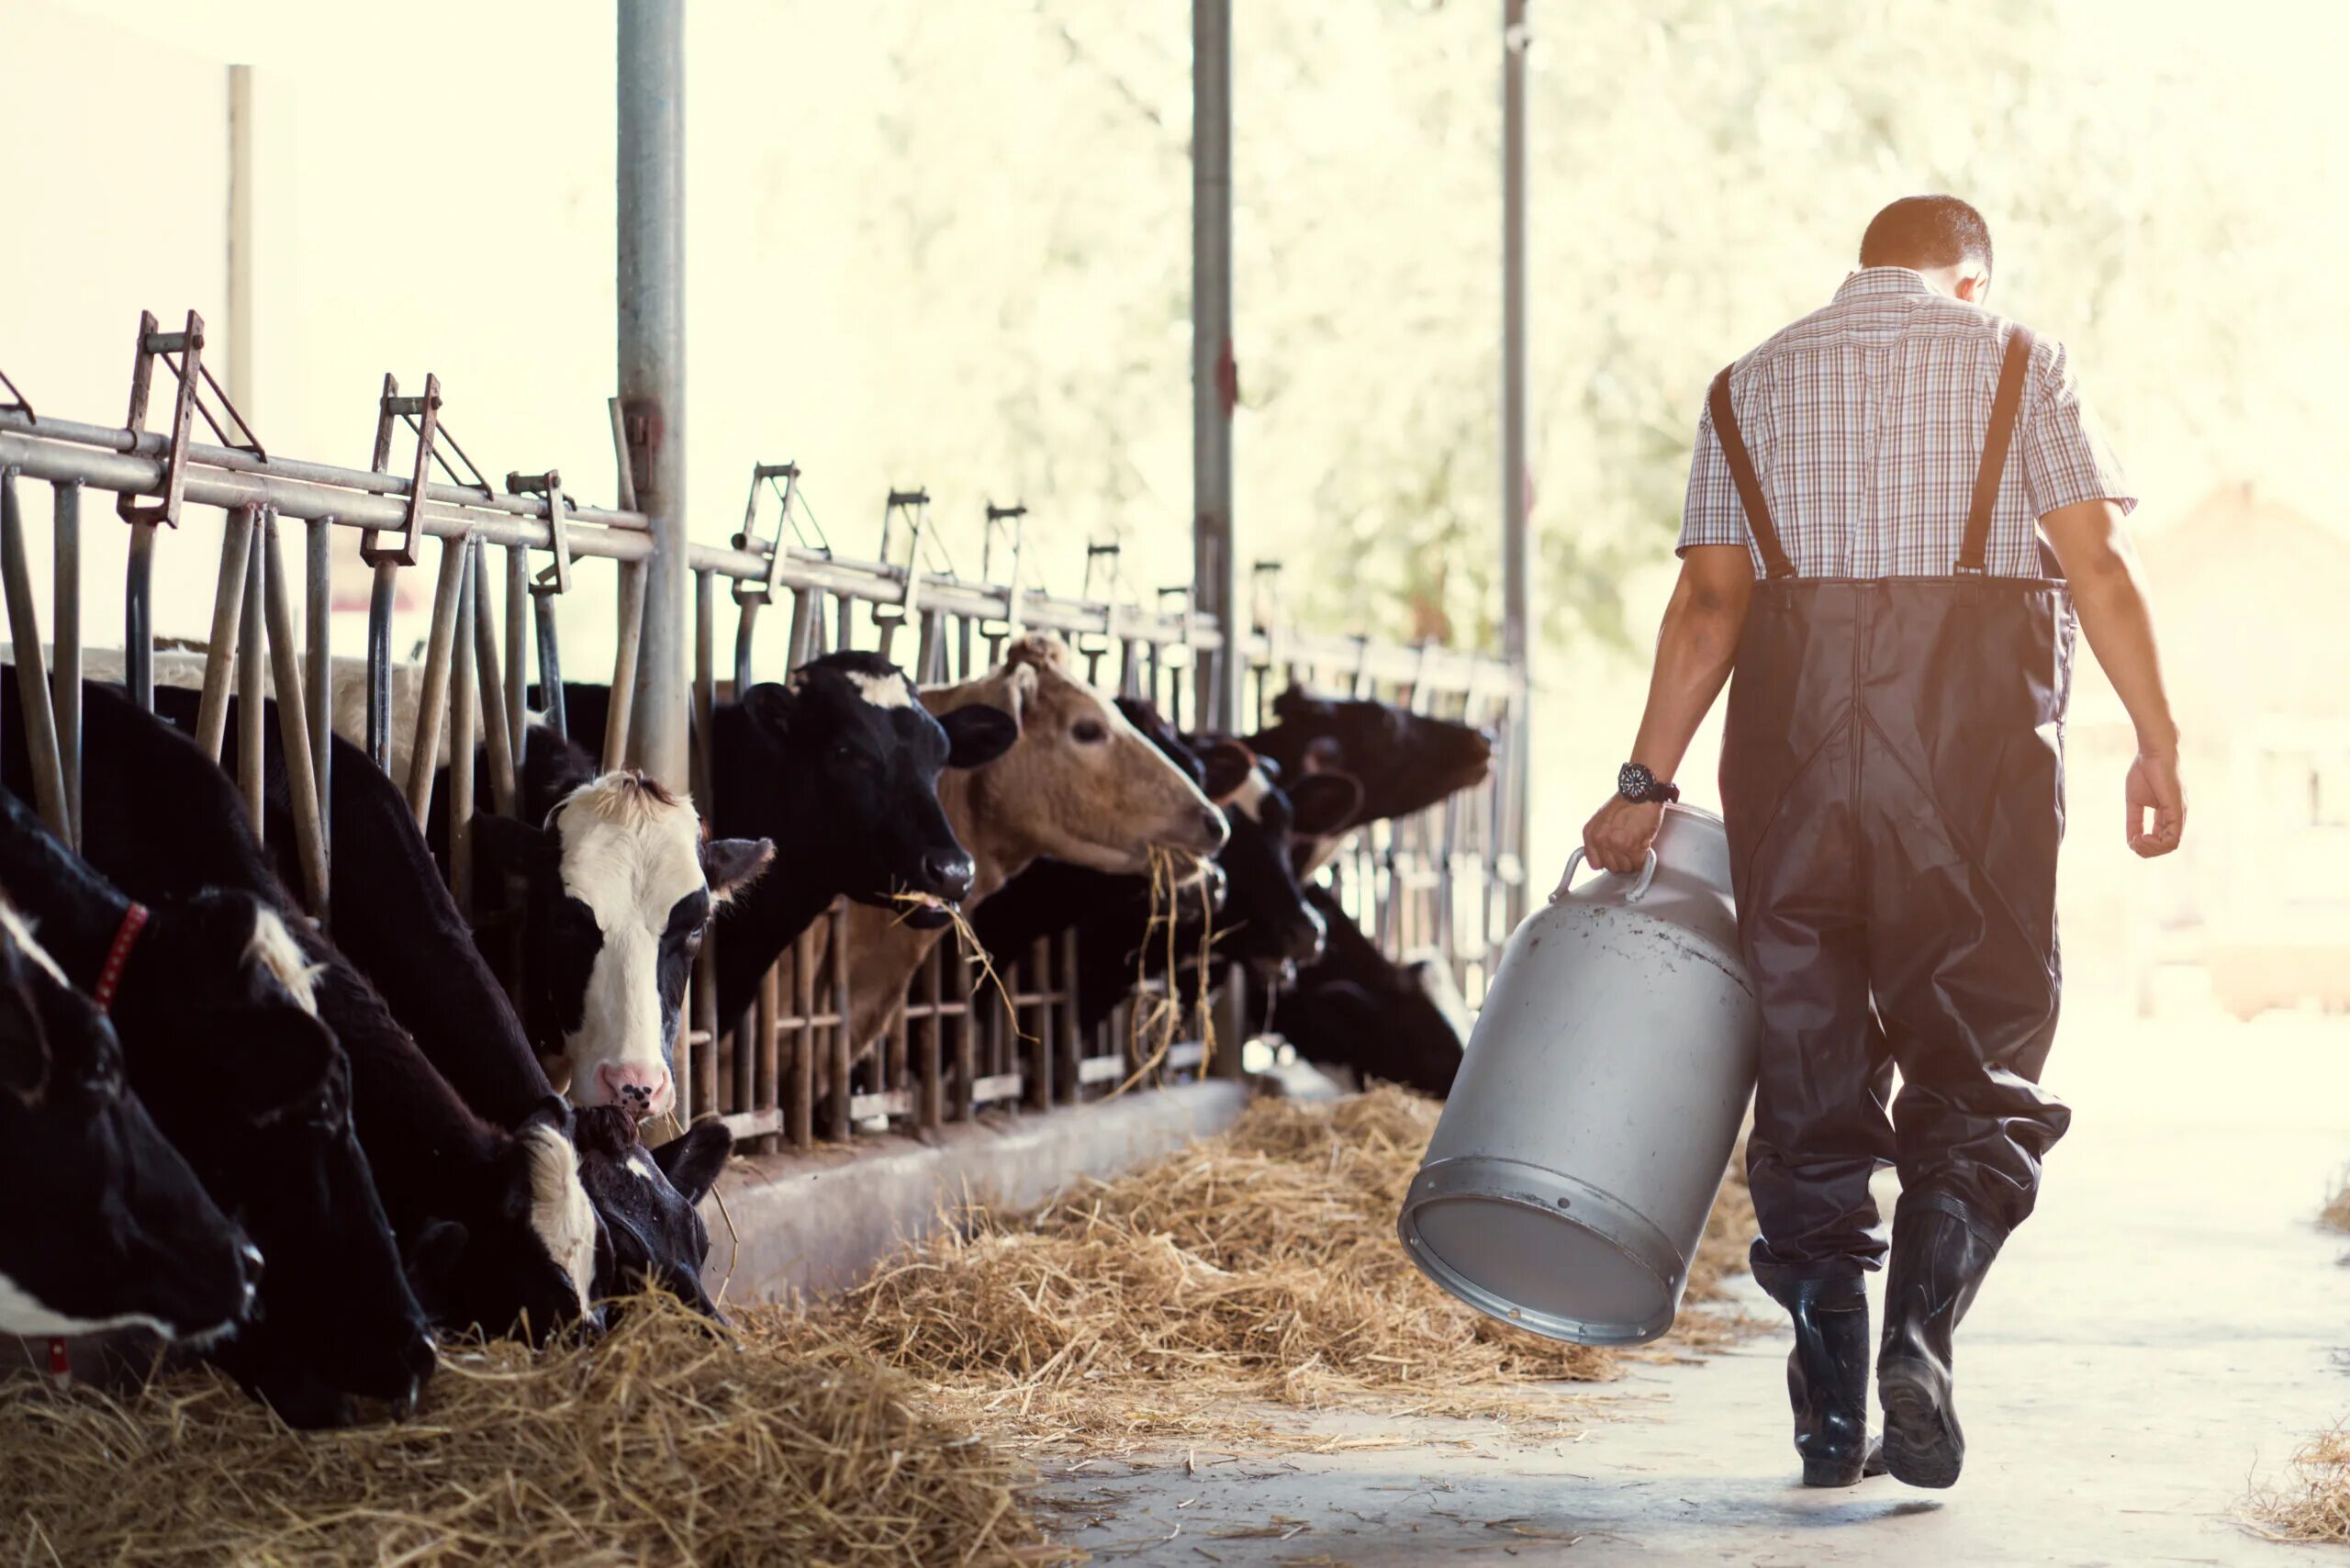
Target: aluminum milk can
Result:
[[1604, 1084]]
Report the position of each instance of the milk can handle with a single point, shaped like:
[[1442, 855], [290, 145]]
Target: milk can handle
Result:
[[1639, 883]]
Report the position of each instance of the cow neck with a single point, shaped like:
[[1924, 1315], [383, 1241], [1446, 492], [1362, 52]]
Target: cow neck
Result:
[[424, 1144], [761, 922]]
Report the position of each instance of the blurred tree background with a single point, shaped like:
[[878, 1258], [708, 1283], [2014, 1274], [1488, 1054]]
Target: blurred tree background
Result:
[[1700, 174]]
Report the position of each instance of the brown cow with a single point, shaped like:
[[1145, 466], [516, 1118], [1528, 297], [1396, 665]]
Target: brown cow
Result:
[[1081, 784]]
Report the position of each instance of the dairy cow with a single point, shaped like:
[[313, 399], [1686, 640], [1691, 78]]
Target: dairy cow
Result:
[[1405, 762], [496, 1229], [214, 1005], [108, 1226], [399, 925], [652, 1231], [1356, 1009], [840, 767]]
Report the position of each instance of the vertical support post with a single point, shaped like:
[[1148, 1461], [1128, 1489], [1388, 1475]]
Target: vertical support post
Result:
[[1216, 390], [139, 616], [240, 239], [1514, 479], [651, 358], [228, 614], [627, 663], [32, 686], [464, 688], [518, 651], [440, 648], [1215, 380], [296, 707], [66, 682], [318, 691], [253, 647], [498, 735]]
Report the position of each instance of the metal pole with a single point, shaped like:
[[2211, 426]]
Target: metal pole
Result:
[[1515, 477], [241, 237], [1215, 388], [652, 339], [65, 594], [1214, 376]]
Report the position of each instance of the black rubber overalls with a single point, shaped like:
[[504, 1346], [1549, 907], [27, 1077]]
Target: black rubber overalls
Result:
[[1893, 783]]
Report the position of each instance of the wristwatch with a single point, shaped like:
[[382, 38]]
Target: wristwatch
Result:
[[1636, 783]]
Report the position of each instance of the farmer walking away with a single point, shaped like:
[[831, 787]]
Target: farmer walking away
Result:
[[1859, 545]]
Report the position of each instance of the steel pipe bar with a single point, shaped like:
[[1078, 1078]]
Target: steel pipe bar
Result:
[[317, 695], [32, 683], [517, 648], [489, 677], [463, 684], [433, 696], [382, 594], [65, 681], [550, 666], [621, 713], [228, 614], [252, 650], [137, 612], [294, 714]]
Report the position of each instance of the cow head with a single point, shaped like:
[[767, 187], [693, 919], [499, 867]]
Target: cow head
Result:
[[653, 1232], [859, 760], [1081, 784], [523, 1260], [619, 888], [107, 1226], [1405, 762], [1272, 927], [253, 1089]]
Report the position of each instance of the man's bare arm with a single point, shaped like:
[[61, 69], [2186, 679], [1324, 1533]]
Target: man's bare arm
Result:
[[1696, 648], [2103, 571]]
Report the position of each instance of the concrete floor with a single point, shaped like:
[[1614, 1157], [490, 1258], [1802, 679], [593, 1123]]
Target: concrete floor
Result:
[[2159, 1338]]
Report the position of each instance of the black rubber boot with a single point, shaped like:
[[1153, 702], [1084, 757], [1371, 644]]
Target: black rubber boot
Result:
[[1827, 1377], [1941, 1252]]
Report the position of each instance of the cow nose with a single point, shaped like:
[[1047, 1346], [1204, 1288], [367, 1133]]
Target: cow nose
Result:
[[1214, 828], [1305, 940], [418, 1358], [249, 1266], [949, 874], [639, 1088]]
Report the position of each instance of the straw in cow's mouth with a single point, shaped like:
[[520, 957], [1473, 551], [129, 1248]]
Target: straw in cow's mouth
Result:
[[973, 952]]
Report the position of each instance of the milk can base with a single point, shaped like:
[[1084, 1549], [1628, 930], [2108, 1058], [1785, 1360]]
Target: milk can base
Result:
[[1541, 1251]]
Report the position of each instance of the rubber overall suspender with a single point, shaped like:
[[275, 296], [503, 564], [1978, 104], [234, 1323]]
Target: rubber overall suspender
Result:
[[2004, 405]]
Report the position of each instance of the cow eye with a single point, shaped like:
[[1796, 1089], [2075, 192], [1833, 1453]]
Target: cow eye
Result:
[[1089, 732]]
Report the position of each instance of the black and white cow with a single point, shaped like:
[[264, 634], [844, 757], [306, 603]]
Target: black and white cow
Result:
[[108, 1226], [397, 922], [654, 1233], [619, 887], [839, 768], [213, 1003], [496, 1229]]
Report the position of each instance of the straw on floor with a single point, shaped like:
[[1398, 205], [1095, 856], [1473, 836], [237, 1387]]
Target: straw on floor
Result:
[[1258, 1266], [2313, 1502], [666, 1443]]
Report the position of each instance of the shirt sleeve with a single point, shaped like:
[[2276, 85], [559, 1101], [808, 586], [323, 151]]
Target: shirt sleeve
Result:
[[1711, 513], [2066, 459]]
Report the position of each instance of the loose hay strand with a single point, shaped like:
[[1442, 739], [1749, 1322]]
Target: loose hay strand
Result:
[[2313, 1502], [670, 1442]]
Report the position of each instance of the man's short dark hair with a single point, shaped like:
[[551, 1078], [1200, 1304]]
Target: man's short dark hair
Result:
[[1926, 232]]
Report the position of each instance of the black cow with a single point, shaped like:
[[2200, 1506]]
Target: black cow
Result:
[[1357, 1009], [496, 1229], [212, 1004], [1262, 919], [1405, 762], [839, 766], [108, 1226]]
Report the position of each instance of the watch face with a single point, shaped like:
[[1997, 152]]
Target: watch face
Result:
[[1633, 782]]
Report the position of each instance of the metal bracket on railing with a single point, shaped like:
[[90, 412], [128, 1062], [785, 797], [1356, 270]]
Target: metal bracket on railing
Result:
[[1093, 645], [192, 377], [1264, 605], [1011, 521], [422, 416], [911, 508], [1419, 699], [1361, 686], [747, 591], [554, 577], [17, 403]]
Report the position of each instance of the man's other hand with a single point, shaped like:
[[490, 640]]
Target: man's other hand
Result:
[[1619, 837], [2154, 788]]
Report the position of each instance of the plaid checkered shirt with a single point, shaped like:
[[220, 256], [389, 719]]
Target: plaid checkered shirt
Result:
[[1865, 420]]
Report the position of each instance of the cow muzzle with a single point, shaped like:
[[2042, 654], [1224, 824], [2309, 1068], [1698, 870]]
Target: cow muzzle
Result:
[[642, 1090]]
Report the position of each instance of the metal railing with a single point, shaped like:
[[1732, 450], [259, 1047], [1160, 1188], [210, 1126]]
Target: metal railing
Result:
[[1446, 884]]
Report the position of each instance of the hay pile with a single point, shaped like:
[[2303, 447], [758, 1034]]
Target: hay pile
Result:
[[2313, 1504], [667, 1442], [1258, 1266], [2335, 1215]]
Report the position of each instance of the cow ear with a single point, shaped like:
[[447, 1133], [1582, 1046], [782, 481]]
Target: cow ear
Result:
[[730, 864], [504, 844], [1228, 765], [977, 734], [552, 768], [1322, 803], [692, 1161], [772, 707], [1293, 704], [432, 1256]]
